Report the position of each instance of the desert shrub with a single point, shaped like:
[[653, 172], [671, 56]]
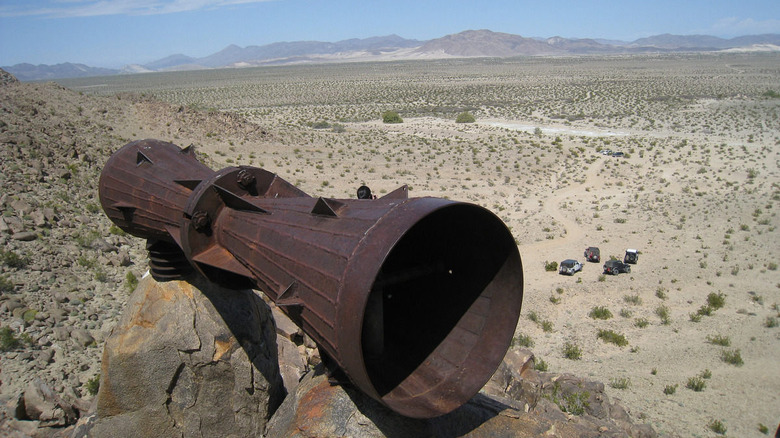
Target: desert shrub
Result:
[[661, 293], [694, 317], [632, 299], [8, 340], [550, 266], [723, 341], [716, 301], [93, 385], [6, 285], [717, 426], [131, 281], [600, 312], [523, 340], [391, 117], [533, 316], [732, 357], [101, 275], [763, 428], [706, 374], [625, 313], [670, 389], [540, 365], [641, 322], [620, 383], [663, 313], [705, 311], [770, 322], [465, 117], [574, 403], [696, 384], [554, 299], [602, 277], [547, 326], [612, 337], [12, 259], [572, 351]]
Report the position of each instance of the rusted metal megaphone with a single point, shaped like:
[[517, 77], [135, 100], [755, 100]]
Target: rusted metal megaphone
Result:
[[416, 300]]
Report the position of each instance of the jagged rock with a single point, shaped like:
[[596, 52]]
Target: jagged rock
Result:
[[189, 359], [42, 404], [292, 364], [517, 402]]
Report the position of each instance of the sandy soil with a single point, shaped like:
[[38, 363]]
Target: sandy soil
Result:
[[697, 195]]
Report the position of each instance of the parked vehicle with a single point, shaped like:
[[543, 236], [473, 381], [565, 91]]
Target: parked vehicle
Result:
[[569, 267], [617, 154], [615, 267], [592, 254], [632, 256]]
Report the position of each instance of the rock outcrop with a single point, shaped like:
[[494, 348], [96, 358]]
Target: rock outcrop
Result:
[[517, 402], [189, 359]]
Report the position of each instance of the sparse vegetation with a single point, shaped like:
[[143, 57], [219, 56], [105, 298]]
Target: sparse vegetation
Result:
[[600, 312], [574, 403], [732, 357], [706, 168], [613, 338], [620, 382], [93, 385], [391, 117], [696, 384], [465, 117], [572, 351], [664, 314], [721, 340], [717, 426], [522, 340]]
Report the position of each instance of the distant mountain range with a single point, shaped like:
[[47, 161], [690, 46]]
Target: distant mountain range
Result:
[[471, 43]]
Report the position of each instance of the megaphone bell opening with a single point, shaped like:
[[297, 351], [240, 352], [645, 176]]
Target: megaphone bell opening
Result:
[[432, 282]]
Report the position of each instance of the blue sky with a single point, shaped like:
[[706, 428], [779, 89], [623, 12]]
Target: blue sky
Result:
[[112, 33]]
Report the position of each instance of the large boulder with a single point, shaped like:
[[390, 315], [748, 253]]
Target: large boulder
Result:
[[189, 359]]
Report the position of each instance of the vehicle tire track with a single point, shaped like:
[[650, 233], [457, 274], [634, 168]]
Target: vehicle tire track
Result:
[[551, 207]]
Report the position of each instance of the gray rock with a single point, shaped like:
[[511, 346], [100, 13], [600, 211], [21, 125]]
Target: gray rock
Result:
[[292, 364], [44, 405], [82, 337], [61, 333], [189, 359], [24, 236]]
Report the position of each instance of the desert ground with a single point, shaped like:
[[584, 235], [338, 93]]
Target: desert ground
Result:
[[688, 340]]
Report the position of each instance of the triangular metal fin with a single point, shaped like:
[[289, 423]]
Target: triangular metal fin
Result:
[[141, 158], [399, 193], [221, 258], [289, 296], [236, 202], [188, 183], [327, 207]]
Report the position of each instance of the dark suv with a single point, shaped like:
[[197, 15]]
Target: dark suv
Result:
[[615, 267], [592, 254]]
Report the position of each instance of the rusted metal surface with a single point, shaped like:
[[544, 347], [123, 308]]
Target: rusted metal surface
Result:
[[416, 300]]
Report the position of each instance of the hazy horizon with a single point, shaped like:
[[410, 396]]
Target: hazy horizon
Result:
[[114, 33]]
